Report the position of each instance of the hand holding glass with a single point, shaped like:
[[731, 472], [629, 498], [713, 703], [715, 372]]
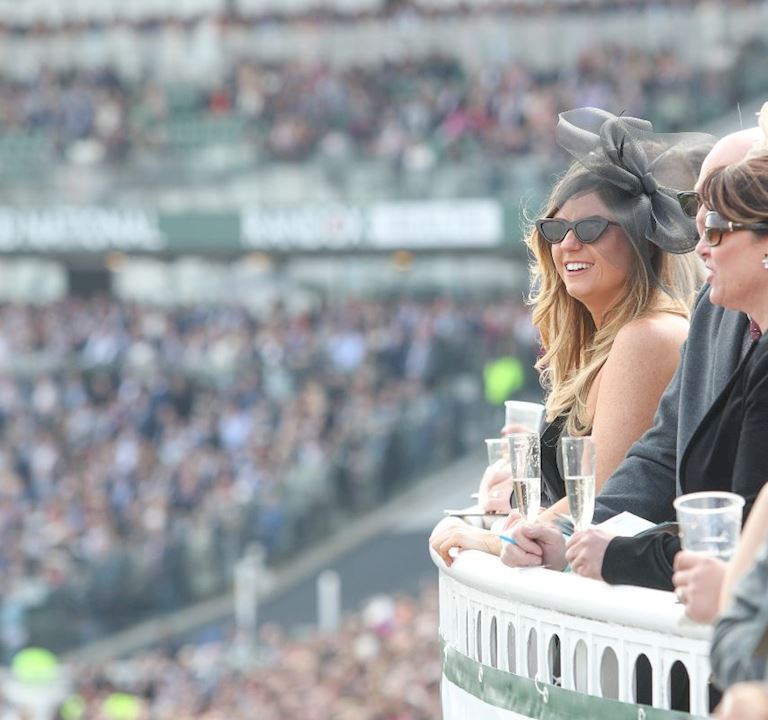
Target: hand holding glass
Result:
[[579, 474], [525, 464]]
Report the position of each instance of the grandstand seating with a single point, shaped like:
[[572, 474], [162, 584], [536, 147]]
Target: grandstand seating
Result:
[[145, 448], [453, 131]]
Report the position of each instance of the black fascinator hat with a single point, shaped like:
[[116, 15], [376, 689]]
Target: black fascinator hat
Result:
[[637, 172]]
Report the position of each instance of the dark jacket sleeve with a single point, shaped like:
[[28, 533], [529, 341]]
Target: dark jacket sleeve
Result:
[[645, 560]]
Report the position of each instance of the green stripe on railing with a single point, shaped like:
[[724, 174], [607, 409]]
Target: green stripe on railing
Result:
[[526, 697]]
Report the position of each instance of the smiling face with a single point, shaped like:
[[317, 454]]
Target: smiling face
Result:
[[595, 274]]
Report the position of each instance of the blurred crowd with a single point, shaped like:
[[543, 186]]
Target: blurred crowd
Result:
[[415, 113], [142, 450], [383, 664], [302, 12]]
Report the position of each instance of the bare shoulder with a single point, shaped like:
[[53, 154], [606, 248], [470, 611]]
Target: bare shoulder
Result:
[[654, 335]]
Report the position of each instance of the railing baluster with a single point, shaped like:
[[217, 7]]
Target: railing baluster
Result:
[[700, 687], [493, 641]]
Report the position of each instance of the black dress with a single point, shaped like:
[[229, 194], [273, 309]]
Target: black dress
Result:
[[728, 451], [552, 484]]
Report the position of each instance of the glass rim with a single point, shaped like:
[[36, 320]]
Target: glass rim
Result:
[[566, 439], [737, 501], [527, 435], [530, 403]]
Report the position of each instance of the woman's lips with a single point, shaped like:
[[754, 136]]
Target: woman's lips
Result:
[[572, 267]]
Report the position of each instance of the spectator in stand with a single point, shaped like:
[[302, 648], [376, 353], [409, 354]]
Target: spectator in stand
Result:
[[382, 664], [413, 114], [152, 446], [609, 265], [738, 196]]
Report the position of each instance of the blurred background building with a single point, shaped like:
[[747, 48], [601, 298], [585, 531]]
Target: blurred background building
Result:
[[257, 259]]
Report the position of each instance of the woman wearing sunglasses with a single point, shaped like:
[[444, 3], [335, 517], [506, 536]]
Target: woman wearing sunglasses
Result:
[[729, 451], [613, 279]]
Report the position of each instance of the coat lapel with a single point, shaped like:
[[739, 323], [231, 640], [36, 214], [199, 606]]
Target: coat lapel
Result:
[[727, 350]]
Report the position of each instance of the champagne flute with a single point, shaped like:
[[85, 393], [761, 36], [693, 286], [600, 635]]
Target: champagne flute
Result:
[[525, 464], [579, 474]]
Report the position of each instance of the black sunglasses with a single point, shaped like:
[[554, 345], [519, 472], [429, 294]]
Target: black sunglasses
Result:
[[690, 202], [715, 225], [586, 230]]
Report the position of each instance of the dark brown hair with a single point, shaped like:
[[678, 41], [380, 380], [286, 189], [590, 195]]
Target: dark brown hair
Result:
[[739, 192]]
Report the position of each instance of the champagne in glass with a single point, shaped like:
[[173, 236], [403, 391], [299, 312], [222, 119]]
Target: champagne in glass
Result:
[[579, 475], [525, 463]]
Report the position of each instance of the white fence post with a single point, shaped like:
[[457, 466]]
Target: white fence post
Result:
[[328, 601], [249, 575]]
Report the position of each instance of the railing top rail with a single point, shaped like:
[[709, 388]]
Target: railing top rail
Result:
[[636, 607]]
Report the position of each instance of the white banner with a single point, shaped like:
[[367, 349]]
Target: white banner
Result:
[[383, 226], [90, 229], [446, 224], [458, 704]]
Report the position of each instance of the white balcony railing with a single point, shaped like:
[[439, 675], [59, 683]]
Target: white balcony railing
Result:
[[533, 643]]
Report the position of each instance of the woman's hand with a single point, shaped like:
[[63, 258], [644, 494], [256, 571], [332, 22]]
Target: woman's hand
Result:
[[511, 520], [457, 534], [513, 429], [535, 544], [698, 580], [586, 550], [744, 701], [495, 488]]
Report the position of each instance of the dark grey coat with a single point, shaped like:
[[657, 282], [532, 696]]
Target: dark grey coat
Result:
[[740, 643]]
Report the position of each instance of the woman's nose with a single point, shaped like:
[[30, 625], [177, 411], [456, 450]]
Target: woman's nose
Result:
[[702, 247], [570, 241], [700, 217]]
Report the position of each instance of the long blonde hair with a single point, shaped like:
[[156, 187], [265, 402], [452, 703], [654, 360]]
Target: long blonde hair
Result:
[[574, 349]]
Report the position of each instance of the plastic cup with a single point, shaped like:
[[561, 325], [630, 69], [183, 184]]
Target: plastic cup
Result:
[[523, 417], [498, 449], [710, 522]]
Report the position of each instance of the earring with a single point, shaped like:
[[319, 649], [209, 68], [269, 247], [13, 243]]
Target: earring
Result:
[[765, 261]]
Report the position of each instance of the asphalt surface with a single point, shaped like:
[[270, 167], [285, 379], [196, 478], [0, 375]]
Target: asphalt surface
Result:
[[395, 560]]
